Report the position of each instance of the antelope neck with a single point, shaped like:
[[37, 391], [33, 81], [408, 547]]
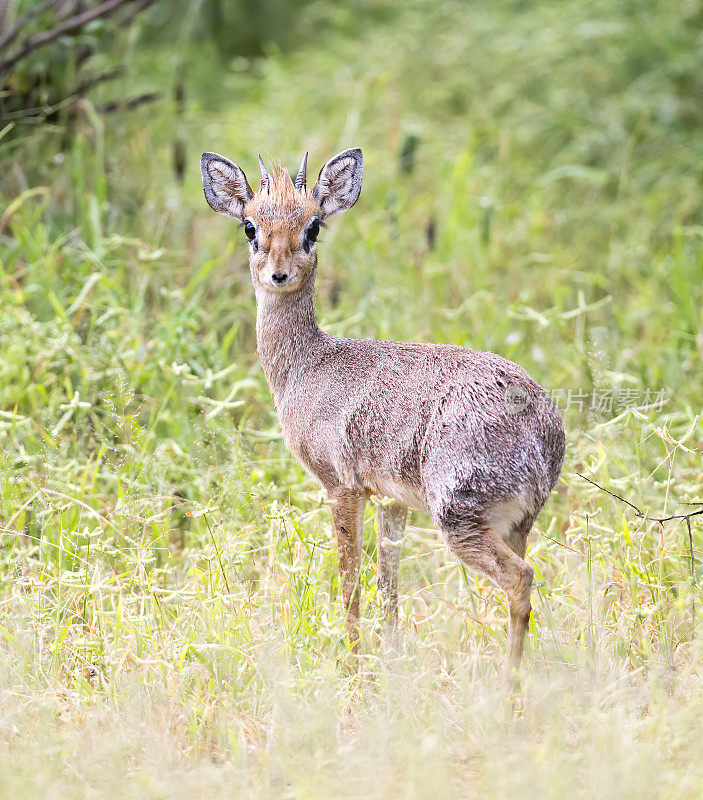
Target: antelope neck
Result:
[[286, 328]]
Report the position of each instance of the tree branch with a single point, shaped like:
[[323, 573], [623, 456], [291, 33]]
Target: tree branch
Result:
[[70, 25], [660, 520], [129, 104], [49, 111], [11, 35], [637, 511]]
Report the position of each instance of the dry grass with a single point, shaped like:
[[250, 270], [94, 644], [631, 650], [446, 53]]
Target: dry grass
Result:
[[169, 616]]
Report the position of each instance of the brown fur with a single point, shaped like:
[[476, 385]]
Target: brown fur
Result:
[[434, 427], [281, 208]]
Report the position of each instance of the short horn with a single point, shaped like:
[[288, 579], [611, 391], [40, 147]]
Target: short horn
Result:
[[302, 174], [265, 177]]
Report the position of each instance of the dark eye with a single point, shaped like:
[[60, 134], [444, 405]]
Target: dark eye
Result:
[[313, 230], [249, 230]]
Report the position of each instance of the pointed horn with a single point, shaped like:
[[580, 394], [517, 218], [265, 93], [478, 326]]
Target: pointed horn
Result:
[[265, 177], [302, 174]]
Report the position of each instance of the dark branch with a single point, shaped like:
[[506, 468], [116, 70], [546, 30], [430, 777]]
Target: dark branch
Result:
[[50, 112], [640, 513], [660, 520], [129, 104], [93, 80], [70, 25], [11, 35]]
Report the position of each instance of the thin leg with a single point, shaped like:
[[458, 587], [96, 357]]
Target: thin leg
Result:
[[390, 521], [348, 519], [481, 549], [520, 623]]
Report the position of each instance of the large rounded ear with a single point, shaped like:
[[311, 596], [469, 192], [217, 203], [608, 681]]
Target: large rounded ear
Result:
[[339, 183], [225, 185]]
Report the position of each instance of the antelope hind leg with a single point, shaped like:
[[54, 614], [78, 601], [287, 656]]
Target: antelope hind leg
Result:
[[482, 549]]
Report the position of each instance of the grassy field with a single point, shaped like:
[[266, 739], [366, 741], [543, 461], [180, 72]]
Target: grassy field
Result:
[[170, 624]]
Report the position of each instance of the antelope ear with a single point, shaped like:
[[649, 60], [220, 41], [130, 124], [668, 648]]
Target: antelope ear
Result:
[[225, 185], [339, 183]]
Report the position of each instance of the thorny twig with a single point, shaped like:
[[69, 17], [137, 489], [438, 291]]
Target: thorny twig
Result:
[[687, 517]]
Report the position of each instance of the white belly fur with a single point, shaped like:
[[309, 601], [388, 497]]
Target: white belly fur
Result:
[[504, 516], [407, 494]]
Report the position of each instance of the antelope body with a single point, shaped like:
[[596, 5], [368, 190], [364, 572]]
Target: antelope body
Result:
[[464, 435]]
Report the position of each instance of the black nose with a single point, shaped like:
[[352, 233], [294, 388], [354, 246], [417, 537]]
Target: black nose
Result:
[[279, 277]]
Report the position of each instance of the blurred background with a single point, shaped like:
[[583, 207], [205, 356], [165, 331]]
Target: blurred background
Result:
[[532, 186]]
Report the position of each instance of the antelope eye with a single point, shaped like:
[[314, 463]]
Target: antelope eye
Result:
[[313, 230], [249, 230]]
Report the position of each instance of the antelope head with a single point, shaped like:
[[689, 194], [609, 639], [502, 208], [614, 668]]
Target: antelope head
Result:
[[282, 219]]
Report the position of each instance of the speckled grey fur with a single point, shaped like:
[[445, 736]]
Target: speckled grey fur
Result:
[[465, 435], [432, 417]]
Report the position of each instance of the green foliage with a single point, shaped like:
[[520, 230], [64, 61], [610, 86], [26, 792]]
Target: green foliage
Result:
[[169, 621], [46, 83]]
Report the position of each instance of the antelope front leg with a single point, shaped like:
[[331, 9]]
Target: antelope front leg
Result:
[[390, 521], [348, 518]]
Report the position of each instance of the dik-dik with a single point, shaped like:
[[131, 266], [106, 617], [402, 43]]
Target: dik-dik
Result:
[[464, 435]]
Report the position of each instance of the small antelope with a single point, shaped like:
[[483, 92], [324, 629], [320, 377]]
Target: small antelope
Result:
[[464, 435]]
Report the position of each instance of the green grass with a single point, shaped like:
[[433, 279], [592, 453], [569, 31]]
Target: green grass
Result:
[[170, 623]]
